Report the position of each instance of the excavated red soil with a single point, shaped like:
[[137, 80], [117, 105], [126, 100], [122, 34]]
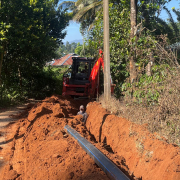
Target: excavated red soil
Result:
[[39, 148], [147, 156]]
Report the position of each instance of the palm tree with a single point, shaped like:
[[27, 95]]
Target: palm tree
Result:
[[175, 31], [177, 14], [84, 11]]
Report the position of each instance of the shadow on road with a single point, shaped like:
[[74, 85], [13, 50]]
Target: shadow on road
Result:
[[6, 142]]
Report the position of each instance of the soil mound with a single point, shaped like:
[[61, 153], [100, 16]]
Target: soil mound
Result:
[[39, 148]]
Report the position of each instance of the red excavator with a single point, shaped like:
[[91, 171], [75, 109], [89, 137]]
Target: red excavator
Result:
[[82, 78]]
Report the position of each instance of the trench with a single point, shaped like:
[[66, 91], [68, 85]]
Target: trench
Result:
[[43, 150]]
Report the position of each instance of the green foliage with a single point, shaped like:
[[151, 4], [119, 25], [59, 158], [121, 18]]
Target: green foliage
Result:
[[42, 84], [30, 33], [46, 83], [68, 48], [3, 31], [148, 14], [148, 89], [144, 44], [173, 25], [79, 49], [148, 11], [89, 49], [119, 45]]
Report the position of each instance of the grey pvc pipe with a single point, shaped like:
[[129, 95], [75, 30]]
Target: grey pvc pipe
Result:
[[100, 159]]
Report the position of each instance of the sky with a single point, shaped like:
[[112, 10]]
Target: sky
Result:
[[173, 3], [73, 32]]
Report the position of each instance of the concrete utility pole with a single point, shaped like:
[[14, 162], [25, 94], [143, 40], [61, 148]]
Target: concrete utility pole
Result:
[[133, 32], [107, 87]]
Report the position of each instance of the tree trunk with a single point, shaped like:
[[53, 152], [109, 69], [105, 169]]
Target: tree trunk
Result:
[[107, 86], [20, 78], [149, 65], [133, 33], [1, 61]]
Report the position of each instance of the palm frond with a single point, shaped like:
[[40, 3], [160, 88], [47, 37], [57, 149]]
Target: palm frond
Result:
[[173, 24], [84, 10], [85, 2], [93, 23], [165, 28], [177, 14], [78, 2], [67, 4]]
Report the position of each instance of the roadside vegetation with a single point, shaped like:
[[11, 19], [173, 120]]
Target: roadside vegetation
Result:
[[30, 33]]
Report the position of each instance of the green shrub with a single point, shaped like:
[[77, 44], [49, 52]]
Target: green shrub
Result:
[[148, 88]]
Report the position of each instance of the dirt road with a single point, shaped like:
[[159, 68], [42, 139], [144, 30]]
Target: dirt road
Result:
[[5, 119], [9, 116]]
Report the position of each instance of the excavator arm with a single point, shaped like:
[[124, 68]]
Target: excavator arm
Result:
[[94, 76]]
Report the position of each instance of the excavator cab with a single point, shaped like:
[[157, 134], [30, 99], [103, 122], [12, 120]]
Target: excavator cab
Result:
[[76, 79], [81, 69]]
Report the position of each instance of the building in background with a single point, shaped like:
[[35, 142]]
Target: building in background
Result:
[[64, 61]]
